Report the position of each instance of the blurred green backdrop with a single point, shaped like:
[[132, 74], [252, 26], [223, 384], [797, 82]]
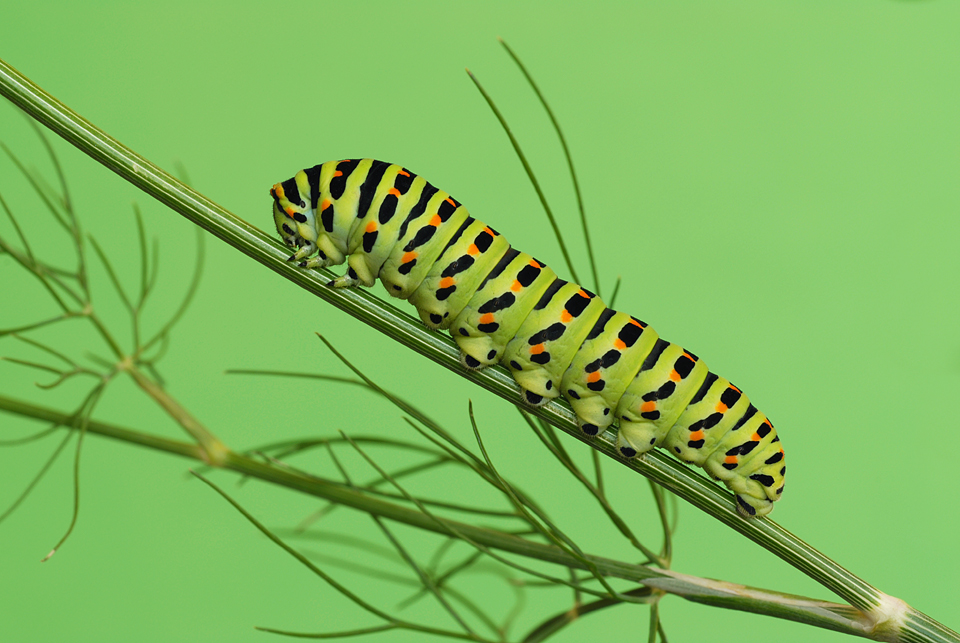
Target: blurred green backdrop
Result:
[[777, 183]]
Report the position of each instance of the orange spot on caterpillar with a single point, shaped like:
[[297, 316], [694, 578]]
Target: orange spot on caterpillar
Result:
[[490, 231], [473, 250], [688, 356], [675, 376], [324, 204], [636, 323], [395, 192], [403, 173], [279, 188], [535, 263], [290, 211], [565, 316], [486, 318], [450, 200], [647, 407], [697, 435], [736, 389], [516, 286], [537, 349], [273, 192], [618, 344], [731, 459], [337, 173], [721, 407], [446, 282], [755, 437], [583, 293], [593, 377], [408, 257], [435, 221], [371, 227]]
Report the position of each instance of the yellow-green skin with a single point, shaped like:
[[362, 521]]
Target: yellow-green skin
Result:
[[425, 298], [503, 306], [536, 359], [594, 407], [481, 345]]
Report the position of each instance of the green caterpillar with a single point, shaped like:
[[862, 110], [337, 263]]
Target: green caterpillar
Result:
[[503, 306]]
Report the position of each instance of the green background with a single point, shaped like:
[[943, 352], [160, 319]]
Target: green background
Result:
[[777, 183]]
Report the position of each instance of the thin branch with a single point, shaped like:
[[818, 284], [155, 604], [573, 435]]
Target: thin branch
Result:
[[550, 531], [333, 635], [601, 499], [616, 291], [326, 577], [312, 376], [530, 175], [187, 299], [38, 477], [36, 269], [39, 324], [144, 259], [110, 273], [667, 551], [31, 438], [29, 364], [89, 404], [556, 623], [18, 230], [37, 188], [47, 349], [566, 154], [61, 177]]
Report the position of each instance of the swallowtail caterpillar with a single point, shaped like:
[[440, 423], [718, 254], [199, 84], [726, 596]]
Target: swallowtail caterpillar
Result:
[[503, 306]]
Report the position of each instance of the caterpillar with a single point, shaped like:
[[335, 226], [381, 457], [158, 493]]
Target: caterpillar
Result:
[[503, 306]]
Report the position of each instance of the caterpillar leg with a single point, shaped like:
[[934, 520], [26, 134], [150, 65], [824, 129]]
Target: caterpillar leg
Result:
[[751, 507], [533, 399], [474, 364], [307, 249], [320, 261], [589, 428], [488, 355], [593, 416], [358, 273], [636, 438], [349, 280]]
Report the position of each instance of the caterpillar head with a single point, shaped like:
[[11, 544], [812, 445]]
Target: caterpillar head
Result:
[[290, 213]]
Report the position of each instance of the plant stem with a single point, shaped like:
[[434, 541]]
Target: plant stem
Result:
[[212, 449], [833, 616]]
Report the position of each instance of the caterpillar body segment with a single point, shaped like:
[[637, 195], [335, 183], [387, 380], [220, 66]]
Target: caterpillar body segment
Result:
[[503, 306], [498, 308], [452, 281], [549, 337], [608, 361]]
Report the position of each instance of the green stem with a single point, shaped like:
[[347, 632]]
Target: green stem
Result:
[[566, 154], [400, 326], [833, 616], [214, 451]]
